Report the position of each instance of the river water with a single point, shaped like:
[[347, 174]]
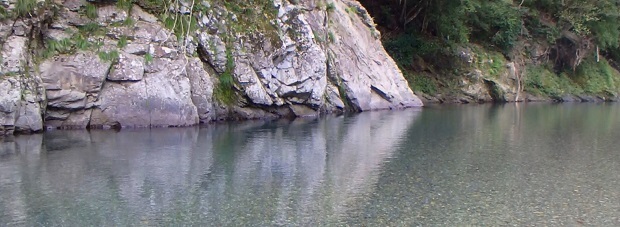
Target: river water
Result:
[[448, 165]]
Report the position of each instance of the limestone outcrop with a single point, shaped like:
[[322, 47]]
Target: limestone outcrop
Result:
[[70, 64]]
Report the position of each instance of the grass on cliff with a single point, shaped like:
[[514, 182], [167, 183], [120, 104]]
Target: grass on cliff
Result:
[[541, 81], [591, 77], [225, 89], [25, 7], [597, 77]]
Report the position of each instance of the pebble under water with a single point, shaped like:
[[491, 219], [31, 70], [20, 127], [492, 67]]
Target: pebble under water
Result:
[[481, 165]]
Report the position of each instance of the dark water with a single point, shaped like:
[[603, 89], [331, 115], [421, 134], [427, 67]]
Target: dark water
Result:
[[449, 166]]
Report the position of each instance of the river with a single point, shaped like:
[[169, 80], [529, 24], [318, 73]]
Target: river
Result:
[[514, 164]]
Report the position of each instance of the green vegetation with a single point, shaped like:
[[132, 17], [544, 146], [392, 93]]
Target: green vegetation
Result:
[[181, 25], [572, 37], [422, 83], [331, 37], [67, 46], [224, 91], [330, 7], [597, 77], [3, 13], [148, 58], [122, 42], [90, 11], [25, 7], [92, 29], [127, 4], [542, 81], [109, 56]]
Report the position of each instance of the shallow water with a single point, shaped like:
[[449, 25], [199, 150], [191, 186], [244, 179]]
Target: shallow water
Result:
[[448, 165]]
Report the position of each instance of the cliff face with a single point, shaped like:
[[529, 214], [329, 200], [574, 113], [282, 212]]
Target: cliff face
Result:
[[73, 64]]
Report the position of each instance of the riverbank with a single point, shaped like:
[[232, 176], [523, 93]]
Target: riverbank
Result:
[[503, 51], [72, 64]]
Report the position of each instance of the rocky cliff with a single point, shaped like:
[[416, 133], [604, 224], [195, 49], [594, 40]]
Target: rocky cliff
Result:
[[76, 64]]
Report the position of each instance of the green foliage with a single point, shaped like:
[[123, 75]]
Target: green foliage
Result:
[[126, 4], [81, 43], [330, 7], [540, 29], [331, 37], [156, 7], [489, 62], [598, 19], [597, 77], [253, 16], [25, 7], [607, 32], [4, 14], [541, 81], [122, 42], [90, 11], [224, 90], [148, 58], [422, 83], [404, 48], [92, 29], [109, 56], [499, 20], [180, 24], [54, 47]]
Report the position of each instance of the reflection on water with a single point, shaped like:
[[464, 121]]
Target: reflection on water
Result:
[[454, 165], [306, 171]]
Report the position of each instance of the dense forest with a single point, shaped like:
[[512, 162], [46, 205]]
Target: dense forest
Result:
[[560, 46]]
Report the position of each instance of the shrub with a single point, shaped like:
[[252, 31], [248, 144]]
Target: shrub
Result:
[[25, 7]]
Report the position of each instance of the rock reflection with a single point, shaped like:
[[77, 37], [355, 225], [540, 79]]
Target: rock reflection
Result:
[[482, 165], [308, 171]]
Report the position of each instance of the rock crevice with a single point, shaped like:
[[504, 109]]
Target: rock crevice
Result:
[[310, 60]]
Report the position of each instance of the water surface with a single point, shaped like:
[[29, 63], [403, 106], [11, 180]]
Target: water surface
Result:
[[450, 165]]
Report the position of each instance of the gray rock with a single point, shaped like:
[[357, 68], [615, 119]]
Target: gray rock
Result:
[[73, 5], [10, 96], [83, 72], [14, 54], [161, 99], [370, 77], [283, 72], [137, 49], [569, 98], [110, 14], [201, 89], [72, 85], [29, 119], [303, 111], [129, 68], [252, 85], [139, 14]]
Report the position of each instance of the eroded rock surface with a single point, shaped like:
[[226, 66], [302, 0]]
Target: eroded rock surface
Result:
[[310, 61]]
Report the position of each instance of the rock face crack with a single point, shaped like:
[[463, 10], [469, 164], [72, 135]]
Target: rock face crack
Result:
[[288, 67], [381, 93]]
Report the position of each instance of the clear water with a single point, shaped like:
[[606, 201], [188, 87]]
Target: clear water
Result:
[[449, 166]]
